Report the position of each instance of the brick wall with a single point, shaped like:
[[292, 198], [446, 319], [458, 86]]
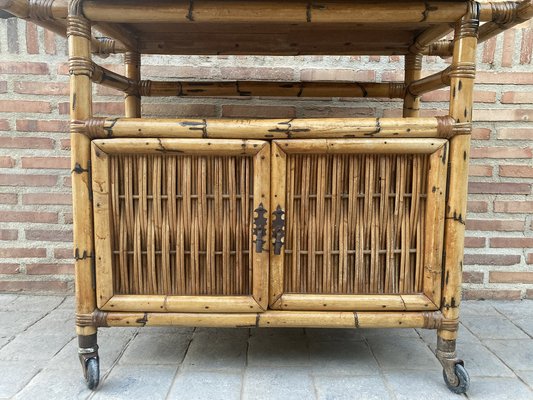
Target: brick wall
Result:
[[35, 211]]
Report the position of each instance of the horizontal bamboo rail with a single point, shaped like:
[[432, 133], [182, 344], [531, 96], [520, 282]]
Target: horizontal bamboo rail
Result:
[[273, 319], [298, 128]]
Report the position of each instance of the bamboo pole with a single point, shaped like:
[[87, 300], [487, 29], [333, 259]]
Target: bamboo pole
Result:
[[429, 83], [79, 45], [413, 70], [461, 99], [274, 319], [429, 36], [105, 77], [132, 99], [297, 128]]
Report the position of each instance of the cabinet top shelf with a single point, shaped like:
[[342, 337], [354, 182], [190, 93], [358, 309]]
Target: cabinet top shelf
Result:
[[282, 27]]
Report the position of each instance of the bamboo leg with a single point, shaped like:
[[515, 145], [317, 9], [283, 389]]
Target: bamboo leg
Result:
[[80, 68], [462, 75], [413, 70], [132, 99]]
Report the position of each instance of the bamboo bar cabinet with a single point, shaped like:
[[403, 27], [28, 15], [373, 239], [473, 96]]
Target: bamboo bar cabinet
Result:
[[324, 222]]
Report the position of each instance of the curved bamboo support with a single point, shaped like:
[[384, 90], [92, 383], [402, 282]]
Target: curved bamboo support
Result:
[[429, 83], [273, 319], [413, 70], [298, 128]]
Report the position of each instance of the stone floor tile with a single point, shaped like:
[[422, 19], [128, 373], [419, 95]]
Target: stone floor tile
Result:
[[517, 354], [212, 350], [464, 337], [57, 385], [514, 309], [17, 322], [351, 388], [477, 308], [175, 330], [296, 333], [7, 298], [206, 385], [499, 389], [342, 358], [396, 332], [276, 351], [526, 377], [403, 353], [333, 334], [35, 303], [127, 382], [480, 361], [156, 349], [526, 324], [277, 384], [493, 327], [419, 385], [14, 376], [55, 322], [34, 347]]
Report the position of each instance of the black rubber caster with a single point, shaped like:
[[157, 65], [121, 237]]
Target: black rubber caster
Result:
[[92, 372], [463, 379]]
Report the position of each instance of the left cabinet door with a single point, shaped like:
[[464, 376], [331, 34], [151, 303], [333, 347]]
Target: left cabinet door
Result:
[[181, 224]]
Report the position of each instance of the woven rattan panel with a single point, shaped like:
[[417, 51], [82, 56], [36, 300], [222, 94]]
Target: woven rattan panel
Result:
[[355, 223], [182, 224]]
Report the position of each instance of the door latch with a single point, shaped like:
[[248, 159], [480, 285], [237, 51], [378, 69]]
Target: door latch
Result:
[[278, 229], [259, 228]]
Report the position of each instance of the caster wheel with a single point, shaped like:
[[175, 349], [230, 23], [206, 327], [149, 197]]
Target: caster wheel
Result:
[[462, 378], [92, 373]]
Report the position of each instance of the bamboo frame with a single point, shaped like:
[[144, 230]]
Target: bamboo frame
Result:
[[106, 298], [267, 129], [132, 99]]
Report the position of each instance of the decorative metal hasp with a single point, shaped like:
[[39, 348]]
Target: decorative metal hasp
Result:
[[260, 228], [278, 229]]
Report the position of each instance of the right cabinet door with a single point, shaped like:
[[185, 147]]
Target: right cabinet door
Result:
[[358, 224]]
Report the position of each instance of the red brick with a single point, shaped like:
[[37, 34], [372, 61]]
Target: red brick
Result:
[[67, 182], [515, 134], [271, 74], [49, 42], [8, 198], [477, 206], [480, 170], [491, 259], [28, 216], [3, 86], [396, 76], [47, 198], [65, 144], [105, 109], [23, 68], [517, 97], [22, 252], [511, 242], [238, 111], [504, 225], [46, 162], [108, 91], [499, 188], [64, 254], [9, 234], [490, 294], [180, 110], [481, 133], [501, 152], [27, 180], [480, 96], [32, 125], [6, 162], [529, 294], [49, 235], [25, 106], [179, 72], [489, 48], [508, 48], [33, 286], [4, 125], [26, 143], [50, 269], [519, 207], [510, 277], [516, 114], [344, 75], [527, 45], [9, 269], [504, 78], [475, 242], [32, 40], [335, 112], [529, 258], [67, 218], [516, 171], [44, 88], [473, 277]]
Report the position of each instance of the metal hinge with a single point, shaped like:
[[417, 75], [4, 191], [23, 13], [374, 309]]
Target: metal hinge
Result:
[[278, 229], [78, 169], [259, 228]]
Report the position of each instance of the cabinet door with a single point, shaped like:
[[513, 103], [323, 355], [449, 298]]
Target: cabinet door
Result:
[[174, 224], [358, 224]]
